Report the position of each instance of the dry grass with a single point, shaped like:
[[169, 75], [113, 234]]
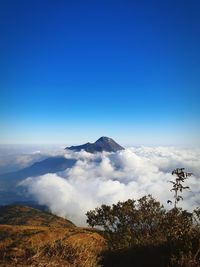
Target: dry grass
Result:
[[45, 240], [23, 215], [46, 246]]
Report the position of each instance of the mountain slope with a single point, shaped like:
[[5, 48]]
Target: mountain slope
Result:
[[24, 215], [8, 181], [102, 144], [10, 193], [45, 240]]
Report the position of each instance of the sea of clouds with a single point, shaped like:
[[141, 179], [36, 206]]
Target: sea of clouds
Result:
[[109, 177]]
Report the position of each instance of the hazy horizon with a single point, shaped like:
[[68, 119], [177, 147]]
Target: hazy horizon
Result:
[[124, 144]]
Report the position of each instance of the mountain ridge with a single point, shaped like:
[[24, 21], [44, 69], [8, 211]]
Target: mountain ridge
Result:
[[11, 193], [26, 215], [104, 143]]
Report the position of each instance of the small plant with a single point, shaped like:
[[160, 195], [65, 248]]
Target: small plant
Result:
[[178, 187]]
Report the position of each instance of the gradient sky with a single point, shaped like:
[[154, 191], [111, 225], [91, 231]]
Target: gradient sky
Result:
[[72, 71]]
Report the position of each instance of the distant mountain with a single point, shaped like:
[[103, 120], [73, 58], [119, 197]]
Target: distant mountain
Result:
[[8, 181], [102, 144], [10, 193]]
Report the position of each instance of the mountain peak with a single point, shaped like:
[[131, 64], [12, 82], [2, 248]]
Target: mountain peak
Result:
[[104, 143], [104, 139]]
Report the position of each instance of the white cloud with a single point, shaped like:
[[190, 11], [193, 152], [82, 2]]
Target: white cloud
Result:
[[110, 177]]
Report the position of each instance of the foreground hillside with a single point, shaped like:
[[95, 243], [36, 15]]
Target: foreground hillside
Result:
[[23, 215], [29, 237]]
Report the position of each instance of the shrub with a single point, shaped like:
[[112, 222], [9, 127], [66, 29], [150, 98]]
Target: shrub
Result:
[[145, 223], [129, 223]]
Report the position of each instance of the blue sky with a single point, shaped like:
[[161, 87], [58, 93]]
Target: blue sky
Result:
[[71, 71]]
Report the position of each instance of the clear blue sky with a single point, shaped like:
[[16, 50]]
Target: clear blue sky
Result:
[[71, 71]]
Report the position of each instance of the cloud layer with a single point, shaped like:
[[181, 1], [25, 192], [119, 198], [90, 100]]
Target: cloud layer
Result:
[[110, 177]]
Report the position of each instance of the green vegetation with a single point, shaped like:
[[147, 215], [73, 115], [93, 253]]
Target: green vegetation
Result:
[[144, 225]]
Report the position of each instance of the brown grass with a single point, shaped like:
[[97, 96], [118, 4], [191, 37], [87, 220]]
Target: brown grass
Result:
[[23, 215], [46, 246], [45, 240]]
